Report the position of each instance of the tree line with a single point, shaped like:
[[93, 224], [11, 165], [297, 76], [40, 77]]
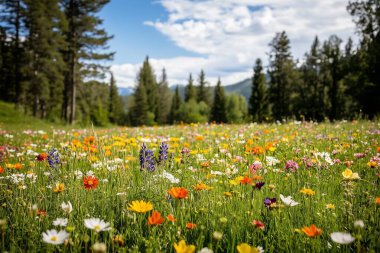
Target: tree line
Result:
[[53, 54]]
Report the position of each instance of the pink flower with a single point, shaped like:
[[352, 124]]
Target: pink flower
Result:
[[291, 165]]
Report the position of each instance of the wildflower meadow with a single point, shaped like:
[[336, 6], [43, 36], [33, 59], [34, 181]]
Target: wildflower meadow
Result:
[[290, 187]]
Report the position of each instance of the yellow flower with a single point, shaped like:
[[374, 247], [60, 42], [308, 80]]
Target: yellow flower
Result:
[[349, 175], [182, 247], [236, 181], [246, 248], [140, 206], [330, 206], [227, 194], [308, 192], [59, 187], [201, 186]]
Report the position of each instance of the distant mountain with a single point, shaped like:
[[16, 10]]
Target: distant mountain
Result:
[[125, 91], [243, 88]]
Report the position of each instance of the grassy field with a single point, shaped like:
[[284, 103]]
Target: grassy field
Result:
[[222, 188]]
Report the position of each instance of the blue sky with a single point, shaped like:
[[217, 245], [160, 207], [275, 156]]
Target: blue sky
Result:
[[223, 37], [133, 40]]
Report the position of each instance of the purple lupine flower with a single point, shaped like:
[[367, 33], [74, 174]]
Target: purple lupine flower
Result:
[[291, 165], [269, 203], [147, 160], [163, 152], [53, 158], [258, 185]]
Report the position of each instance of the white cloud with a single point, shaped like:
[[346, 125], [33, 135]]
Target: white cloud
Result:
[[230, 34]]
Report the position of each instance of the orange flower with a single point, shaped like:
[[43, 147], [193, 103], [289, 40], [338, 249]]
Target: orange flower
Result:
[[205, 164], [1, 170], [257, 150], [312, 231], [257, 177], [190, 225], [201, 186], [171, 218], [178, 192], [90, 182], [41, 212], [377, 201], [155, 218], [246, 180], [17, 166], [41, 157]]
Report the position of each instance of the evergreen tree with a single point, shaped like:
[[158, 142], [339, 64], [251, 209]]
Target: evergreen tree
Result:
[[11, 20], [282, 77], [44, 71], [115, 108], [366, 15], [83, 37], [190, 90], [218, 111], [203, 93], [258, 100], [176, 103], [140, 109], [148, 80], [332, 75], [314, 99], [164, 101]]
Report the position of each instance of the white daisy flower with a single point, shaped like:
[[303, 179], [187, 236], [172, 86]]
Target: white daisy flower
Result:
[[342, 238], [54, 237], [67, 207], [288, 200], [60, 222], [97, 224]]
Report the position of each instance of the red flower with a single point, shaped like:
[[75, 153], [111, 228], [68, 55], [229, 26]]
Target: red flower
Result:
[[90, 182], [190, 225], [246, 180], [155, 218], [41, 157], [258, 224], [41, 212], [171, 218]]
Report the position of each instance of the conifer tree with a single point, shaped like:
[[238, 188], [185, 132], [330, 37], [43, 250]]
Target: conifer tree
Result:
[[176, 103], [203, 93], [83, 37], [148, 80], [44, 72], [218, 111], [140, 109], [115, 108], [258, 101], [190, 90], [11, 19], [164, 101], [282, 76]]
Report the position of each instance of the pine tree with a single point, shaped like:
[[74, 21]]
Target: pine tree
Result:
[[83, 38], [11, 20], [203, 93], [164, 101], [115, 108], [148, 80], [190, 90], [44, 71], [282, 76], [140, 109], [218, 111], [313, 101], [258, 101], [176, 103]]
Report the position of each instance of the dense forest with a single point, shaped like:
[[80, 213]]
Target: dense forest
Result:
[[53, 65]]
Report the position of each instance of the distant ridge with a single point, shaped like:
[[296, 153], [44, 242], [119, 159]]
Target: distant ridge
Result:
[[243, 88]]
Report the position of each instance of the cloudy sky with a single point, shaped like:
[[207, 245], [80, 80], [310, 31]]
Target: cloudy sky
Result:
[[223, 37]]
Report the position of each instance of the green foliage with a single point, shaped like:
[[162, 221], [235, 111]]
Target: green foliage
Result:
[[218, 110], [236, 108], [193, 112], [140, 109], [258, 102], [164, 100], [190, 90], [174, 115], [203, 91], [115, 105]]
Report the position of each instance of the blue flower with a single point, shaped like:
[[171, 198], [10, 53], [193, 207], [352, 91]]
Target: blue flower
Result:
[[53, 158], [163, 152]]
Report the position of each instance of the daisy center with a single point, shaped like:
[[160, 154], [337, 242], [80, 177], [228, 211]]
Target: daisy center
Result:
[[97, 227], [53, 238]]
